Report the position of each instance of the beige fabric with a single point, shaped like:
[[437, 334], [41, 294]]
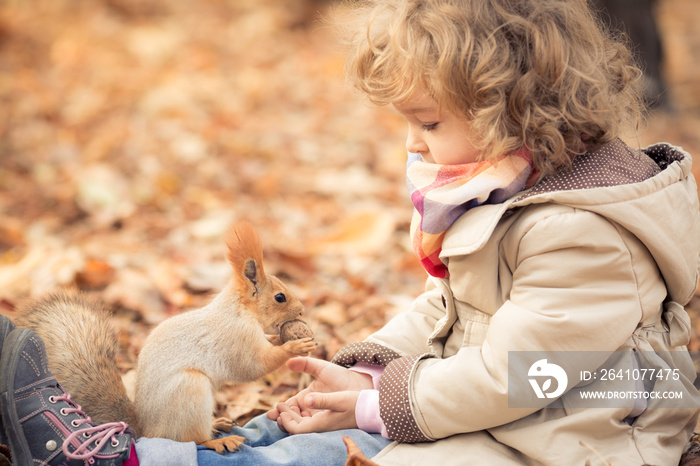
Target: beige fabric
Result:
[[584, 269]]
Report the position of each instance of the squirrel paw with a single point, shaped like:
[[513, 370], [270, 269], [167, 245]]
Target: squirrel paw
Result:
[[224, 424], [223, 444], [302, 347]]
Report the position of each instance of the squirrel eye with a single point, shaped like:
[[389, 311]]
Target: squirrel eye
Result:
[[280, 298]]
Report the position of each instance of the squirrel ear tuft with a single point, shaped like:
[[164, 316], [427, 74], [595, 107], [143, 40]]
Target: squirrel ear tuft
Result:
[[245, 253]]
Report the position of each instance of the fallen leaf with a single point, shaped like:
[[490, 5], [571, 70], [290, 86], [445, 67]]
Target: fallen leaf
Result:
[[361, 233], [96, 274], [355, 455]]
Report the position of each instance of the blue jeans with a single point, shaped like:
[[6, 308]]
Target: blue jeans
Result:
[[270, 446]]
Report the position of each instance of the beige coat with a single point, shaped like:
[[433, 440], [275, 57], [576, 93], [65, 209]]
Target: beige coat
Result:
[[598, 259]]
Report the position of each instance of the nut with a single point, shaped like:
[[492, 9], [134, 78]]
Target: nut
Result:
[[295, 330]]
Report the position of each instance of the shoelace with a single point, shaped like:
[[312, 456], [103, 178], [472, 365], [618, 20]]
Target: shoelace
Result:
[[103, 433]]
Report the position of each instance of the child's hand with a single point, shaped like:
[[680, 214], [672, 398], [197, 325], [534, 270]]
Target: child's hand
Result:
[[328, 377], [329, 411]]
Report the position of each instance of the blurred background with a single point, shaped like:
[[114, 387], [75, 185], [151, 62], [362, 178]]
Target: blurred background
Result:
[[133, 132]]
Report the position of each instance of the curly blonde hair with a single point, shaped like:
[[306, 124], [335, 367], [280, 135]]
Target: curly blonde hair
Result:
[[540, 74]]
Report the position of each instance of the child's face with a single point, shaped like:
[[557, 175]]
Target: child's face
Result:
[[439, 137]]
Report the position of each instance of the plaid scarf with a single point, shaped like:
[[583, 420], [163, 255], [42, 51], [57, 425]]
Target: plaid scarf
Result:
[[442, 193]]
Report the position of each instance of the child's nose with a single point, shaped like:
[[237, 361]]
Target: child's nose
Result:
[[414, 142]]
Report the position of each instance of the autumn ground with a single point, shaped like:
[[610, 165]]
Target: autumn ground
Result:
[[132, 133]]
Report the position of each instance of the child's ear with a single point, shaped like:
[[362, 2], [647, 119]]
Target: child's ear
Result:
[[245, 256]]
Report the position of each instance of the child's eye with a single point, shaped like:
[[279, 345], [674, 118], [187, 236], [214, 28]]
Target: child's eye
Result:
[[429, 127]]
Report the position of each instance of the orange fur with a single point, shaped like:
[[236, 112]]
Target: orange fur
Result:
[[244, 244], [230, 443], [195, 373]]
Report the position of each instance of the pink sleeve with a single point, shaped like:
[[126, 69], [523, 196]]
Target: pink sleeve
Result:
[[372, 370], [367, 413], [367, 407]]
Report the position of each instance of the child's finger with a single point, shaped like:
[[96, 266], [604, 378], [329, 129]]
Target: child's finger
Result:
[[290, 420], [293, 411], [287, 417], [273, 414], [338, 401], [310, 366]]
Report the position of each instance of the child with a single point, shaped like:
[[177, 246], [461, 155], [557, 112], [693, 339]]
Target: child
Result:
[[543, 234], [544, 237]]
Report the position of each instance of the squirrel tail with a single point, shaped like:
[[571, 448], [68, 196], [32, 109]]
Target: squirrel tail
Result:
[[81, 347]]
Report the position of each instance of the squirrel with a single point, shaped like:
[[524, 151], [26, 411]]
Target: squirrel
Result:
[[184, 360]]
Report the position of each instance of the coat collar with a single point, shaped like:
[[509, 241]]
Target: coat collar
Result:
[[614, 173]]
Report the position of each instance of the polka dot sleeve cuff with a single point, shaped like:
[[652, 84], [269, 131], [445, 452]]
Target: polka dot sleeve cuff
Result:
[[368, 353], [395, 402]]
